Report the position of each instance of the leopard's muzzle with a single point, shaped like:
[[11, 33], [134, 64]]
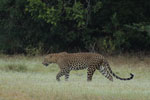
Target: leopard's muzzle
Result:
[[46, 64]]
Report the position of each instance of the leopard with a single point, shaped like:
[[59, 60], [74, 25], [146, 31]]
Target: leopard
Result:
[[79, 61]]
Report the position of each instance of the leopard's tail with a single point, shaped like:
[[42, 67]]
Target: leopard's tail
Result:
[[111, 72]]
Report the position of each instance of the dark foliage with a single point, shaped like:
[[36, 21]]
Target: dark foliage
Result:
[[42, 26]]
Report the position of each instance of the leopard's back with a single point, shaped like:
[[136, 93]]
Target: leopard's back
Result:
[[79, 61]]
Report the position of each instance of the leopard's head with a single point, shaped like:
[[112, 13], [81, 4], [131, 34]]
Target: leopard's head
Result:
[[51, 58]]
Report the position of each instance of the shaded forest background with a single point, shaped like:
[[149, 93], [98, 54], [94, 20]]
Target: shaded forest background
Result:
[[44, 26]]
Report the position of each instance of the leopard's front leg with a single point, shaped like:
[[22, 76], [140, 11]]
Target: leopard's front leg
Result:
[[67, 75], [90, 72], [63, 72], [59, 75]]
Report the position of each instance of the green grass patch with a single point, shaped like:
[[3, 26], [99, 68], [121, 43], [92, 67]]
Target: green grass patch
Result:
[[15, 67], [25, 78]]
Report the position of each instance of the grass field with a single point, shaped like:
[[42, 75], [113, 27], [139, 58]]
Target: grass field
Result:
[[25, 78]]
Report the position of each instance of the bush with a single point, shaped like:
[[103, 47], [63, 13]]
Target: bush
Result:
[[15, 67], [66, 25]]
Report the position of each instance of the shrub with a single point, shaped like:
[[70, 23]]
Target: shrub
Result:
[[15, 67]]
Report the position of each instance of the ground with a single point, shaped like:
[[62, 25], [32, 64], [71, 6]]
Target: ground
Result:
[[25, 78]]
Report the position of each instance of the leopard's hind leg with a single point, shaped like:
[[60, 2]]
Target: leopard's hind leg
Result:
[[103, 68]]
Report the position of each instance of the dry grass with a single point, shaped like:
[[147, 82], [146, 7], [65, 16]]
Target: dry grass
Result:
[[38, 82]]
